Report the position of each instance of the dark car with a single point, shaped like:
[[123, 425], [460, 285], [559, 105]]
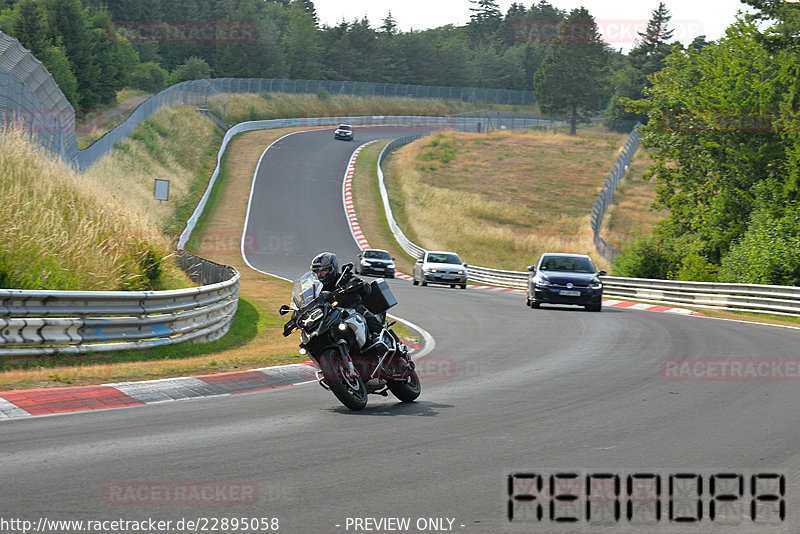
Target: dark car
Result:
[[377, 262], [344, 131], [560, 278]]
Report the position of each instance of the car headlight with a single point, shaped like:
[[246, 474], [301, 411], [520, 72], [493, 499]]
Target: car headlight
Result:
[[461, 272], [596, 285], [365, 263], [542, 282], [390, 266], [429, 270]]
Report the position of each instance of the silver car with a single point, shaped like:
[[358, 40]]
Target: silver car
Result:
[[436, 267]]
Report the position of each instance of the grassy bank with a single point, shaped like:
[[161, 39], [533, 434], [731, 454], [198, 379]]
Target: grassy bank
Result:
[[255, 339], [500, 199], [102, 230], [247, 107]]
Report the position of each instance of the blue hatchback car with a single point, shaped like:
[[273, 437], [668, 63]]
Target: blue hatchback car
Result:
[[561, 278]]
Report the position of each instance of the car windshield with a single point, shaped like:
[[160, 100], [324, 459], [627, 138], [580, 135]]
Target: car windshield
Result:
[[345, 127], [444, 258], [567, 264], [377, 254]]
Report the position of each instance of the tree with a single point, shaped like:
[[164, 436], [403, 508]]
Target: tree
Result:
[[485, 21], [69, 27], [302, 45], [149, 77], [389, 26], [717, 153], [645, 59], [572, 78], [308, 7], [30, 27], [699, 42], [193, 68], [785, 32], [57, 65]]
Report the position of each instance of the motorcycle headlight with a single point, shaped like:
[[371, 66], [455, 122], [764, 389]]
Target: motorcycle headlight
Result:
[[314, 316]]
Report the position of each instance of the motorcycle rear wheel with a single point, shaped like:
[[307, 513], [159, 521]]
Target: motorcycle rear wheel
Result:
[[350, 391], [406, 391]]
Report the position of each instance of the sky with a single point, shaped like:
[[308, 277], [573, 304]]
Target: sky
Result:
[[618, 20]]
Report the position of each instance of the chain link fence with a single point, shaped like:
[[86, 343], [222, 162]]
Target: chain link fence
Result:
[[30, 100], [604, 198]]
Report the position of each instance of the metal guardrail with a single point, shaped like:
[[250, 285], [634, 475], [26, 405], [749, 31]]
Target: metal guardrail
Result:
[[35, 323], [777, 300]]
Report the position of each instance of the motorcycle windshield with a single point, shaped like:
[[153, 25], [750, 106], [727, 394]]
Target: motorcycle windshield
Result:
[[305, 290]]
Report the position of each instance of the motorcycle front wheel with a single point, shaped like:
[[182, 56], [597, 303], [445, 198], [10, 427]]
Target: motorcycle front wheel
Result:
[[406, 390], [350, 390]]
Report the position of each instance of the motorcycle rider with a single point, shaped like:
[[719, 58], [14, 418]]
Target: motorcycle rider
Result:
[[325, 266]]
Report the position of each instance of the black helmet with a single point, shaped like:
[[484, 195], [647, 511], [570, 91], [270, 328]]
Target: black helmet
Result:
[[326, 267]]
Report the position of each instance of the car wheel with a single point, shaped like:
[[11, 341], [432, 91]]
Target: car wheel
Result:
[[424, 283], [463, 286], [594, 307], [453, 286], [527, 301], [415, 282], [534, 304]]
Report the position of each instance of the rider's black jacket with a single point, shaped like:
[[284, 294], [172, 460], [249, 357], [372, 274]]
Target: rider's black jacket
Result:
[[352, 294]]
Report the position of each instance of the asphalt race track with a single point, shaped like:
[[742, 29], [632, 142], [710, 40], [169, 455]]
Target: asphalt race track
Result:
[[507, 390]]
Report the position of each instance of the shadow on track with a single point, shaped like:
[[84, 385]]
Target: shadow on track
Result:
[[419, 409]]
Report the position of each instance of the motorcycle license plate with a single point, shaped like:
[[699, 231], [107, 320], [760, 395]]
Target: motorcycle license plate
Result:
[[569, 293]]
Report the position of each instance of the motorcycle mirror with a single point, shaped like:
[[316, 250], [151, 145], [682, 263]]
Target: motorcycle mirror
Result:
[[284, 310]]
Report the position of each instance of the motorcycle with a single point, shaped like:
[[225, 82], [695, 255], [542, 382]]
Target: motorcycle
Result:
[[336, 339]]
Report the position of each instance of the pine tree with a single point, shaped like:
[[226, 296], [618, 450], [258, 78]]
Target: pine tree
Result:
[[308, 7], [572, 78], [30, 27], [485, 21], [389, 26], [645, 59]]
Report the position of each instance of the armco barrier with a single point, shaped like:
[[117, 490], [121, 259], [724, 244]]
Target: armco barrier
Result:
[[778, 300], [77, 322]]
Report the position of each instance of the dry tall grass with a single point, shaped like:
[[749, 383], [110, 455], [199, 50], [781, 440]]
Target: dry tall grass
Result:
[[502, 199], [102, 230], [245, 107]]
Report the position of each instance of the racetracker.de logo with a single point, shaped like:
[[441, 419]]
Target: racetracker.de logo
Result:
[[188, 31], [612, 31], [181, 493], [730, 369]]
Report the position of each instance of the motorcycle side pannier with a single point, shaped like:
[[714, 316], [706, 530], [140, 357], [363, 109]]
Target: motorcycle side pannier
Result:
[[380, 298]]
